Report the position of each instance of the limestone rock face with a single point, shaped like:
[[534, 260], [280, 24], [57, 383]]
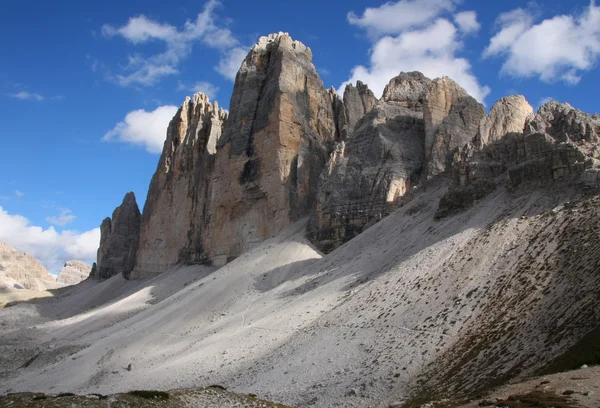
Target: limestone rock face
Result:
[[508, 115], [273, 149], [376, 166], [358, 101], [119, 240], [559, 142], [174, 212], [409, 90], [22, 271], [451, 120], [73, 273], [442, 95]]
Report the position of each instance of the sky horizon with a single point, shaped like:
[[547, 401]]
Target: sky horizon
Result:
[[87, 90]]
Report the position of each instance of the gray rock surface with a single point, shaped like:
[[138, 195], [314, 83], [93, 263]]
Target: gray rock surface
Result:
[[458, 128], [508, 115], [174, 213], [408, 89], [441, 96], [274, 146], [19, 270], [376, 166], [559, 142], [358, 101], [73, 273], [119, 240]]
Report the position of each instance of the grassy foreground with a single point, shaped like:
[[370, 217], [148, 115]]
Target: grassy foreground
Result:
[[214, 396]]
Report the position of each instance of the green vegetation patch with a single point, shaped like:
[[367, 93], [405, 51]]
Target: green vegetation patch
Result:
[[150, 394]]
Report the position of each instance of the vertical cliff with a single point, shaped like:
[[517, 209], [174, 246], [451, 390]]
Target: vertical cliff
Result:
[[273, 148], [452, 119], [380, 161], [348, 110], [119, 240], [174, 212]]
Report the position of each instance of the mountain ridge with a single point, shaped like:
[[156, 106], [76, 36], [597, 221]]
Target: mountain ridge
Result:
[[325, 250]]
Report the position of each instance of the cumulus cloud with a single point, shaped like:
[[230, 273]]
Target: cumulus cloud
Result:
[[19, 194], [556, 49], [397, 17], [27, 96], [142, 128], [425, 41], [150, 69], [65, 217], [467, 22], [50, 247], [206, 88], [544, 101], [231, 61]]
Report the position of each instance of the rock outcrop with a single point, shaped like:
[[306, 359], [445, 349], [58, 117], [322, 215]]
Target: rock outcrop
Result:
[[507, 116], [273, 149], [358, 101], [19, 270], [348, 111], [73, 273], [559, 142], [119, 240], [556, 143], [289, 148], [377, 165], [174, 213], [452, 119]]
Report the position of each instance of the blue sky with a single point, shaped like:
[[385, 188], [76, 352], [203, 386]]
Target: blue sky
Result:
[[87, 88]]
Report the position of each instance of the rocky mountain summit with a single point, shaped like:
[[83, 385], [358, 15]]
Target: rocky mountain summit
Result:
[[440, 248], [22, 271], [73, 272], [289, 149], [19, 270], [119, 237]]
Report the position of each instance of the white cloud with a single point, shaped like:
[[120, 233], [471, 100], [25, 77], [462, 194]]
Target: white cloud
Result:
[[544, 101], [397, 17], [148, 70], [231, 61], [142, 128], [467, 22], [27, 96], [432, 50], [19, 194], [65, 217], [50, 247], [557, 49], [206, 88]]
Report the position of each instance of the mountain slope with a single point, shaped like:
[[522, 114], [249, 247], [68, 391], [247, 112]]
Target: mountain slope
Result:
[[19, 270], [358, 327]]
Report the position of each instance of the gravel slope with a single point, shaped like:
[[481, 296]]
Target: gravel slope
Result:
[[410, 304]]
